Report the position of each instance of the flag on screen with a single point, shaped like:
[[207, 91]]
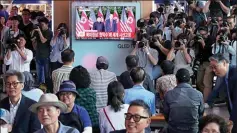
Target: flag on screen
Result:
[[107, 14], [123, 22], [100, 14], [84, 21], [79, 27], [92, 18], [131, 20], [116, 17]]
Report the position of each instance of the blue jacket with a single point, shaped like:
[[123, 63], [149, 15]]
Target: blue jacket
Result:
[[183, 106], [25, 121], [108, 27]]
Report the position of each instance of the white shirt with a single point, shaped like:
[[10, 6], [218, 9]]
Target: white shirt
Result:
[[17, 63], [117, 119], [13, 110]]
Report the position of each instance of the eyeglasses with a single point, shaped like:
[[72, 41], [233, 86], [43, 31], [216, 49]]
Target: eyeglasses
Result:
[[14, 84], [65, 93], [135, 117]]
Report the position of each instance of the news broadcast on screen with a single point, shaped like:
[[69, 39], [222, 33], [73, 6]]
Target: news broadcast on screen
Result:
[[105, 22]]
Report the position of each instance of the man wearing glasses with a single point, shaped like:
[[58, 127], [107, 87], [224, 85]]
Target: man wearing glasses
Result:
[[17, 104], [228, 75], [137, 119]]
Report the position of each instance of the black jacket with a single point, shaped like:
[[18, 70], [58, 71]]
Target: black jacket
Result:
[[25, 121]]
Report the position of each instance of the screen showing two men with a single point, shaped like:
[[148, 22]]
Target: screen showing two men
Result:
[[106, 22]]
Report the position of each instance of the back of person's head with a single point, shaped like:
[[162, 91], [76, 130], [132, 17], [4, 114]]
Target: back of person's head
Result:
[[182, 36], [158, 32], [167, 67], [141, 103], [67, 55], [138, 75], [33, 15], [1, 6], [43, 20], [115, 95], [29, 81], [26, 10], [102, 63], [131, 61], [80, 76], [212, 118], [182, 76]]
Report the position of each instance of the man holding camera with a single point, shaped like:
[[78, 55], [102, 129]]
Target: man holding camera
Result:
[[41, 38], [217, 8], [18, 57], [203, 47], [148, 57]]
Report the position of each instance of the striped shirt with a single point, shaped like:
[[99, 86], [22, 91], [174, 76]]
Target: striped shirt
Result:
[[59, 75], [99, 82]]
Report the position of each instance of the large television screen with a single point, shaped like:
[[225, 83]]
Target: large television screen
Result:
[[105, 22]]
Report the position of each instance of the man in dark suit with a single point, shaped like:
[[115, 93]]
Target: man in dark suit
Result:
[[221, 67], [110, 24], [125, 79], [22, 120], [99, 26], [137, 119]]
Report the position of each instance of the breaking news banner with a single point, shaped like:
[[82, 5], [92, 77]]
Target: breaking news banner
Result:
[[105, 22]]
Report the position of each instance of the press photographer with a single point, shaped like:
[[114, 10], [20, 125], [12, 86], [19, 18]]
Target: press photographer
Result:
[[148, 57], [59, 43], [203, 50], [223, 46], [181, 54], [41, 37], [18, 57], [217, 8]]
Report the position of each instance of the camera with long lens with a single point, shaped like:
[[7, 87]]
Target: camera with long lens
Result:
[[197, 38], [62, 31], [196, 66], [222, 39]]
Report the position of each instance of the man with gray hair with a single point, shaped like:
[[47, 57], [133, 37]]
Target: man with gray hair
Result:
[[221, 67], [17, 104]]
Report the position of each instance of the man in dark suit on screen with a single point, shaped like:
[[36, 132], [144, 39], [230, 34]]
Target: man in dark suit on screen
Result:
[[21, 120], [228, 74], [98, 25], [110, 24]]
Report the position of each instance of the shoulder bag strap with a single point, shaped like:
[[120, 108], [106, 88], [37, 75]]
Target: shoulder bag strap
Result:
[[108, 119]]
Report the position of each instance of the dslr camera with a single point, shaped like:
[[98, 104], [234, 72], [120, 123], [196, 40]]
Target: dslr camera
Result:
[[197, 38], [12, 42], [214, 21], [177, 44], [141, 44], [62, 31], [222, 38], [35, 27]]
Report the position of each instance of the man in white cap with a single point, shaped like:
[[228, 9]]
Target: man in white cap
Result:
[[48, 110]]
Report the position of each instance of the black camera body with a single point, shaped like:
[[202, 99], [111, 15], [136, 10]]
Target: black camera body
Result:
[[214, 21], [35, 27], [62, 31], [141, 44], [197, 38], [177, 44], [12, 42], [222, 38]]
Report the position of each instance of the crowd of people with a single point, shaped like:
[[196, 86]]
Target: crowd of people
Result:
[[174, 50]]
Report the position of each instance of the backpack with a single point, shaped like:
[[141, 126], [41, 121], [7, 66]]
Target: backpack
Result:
[[71, 119]]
